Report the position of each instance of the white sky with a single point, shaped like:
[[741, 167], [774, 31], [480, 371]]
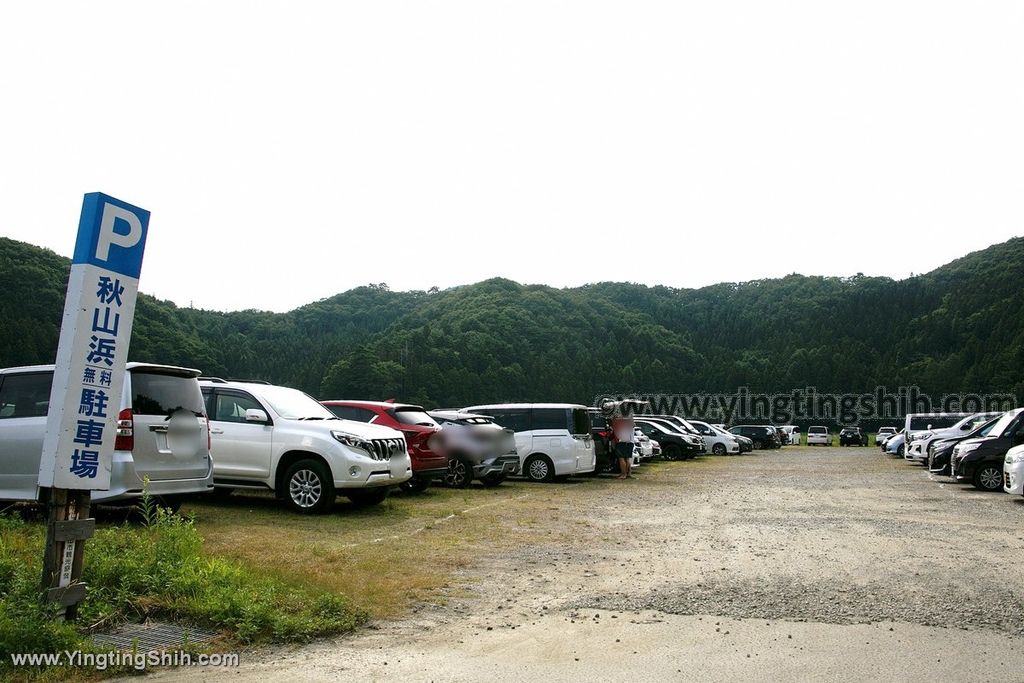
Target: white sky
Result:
[[290, 151]]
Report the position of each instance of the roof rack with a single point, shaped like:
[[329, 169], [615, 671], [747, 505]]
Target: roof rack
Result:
[[249, 381], [216, 380]]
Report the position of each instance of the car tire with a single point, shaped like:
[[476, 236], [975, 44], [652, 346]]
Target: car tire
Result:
[[414, 485], [492, 480], [900, 451], [718, 449], [221, 493], [673, 452], [758, 445], [460, 474], [539, 468], [309, 487], [172, 503], [989, 478], [366, 497]]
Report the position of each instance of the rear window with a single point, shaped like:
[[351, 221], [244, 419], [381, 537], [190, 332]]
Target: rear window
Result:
[[817, 430], [25, 395], [413, 416], [597, 420], [353, 413], [552, 418], [580, 421], [157, 394]]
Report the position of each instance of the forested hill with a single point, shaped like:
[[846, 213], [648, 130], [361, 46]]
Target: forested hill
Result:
[[958, 328]]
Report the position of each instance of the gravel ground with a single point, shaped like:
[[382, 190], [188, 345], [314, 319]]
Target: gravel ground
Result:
[[789, 564]]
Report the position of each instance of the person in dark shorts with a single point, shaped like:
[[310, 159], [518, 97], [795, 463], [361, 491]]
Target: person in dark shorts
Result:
[[622, 433]]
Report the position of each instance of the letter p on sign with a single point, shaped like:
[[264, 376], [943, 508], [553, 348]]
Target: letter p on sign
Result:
[[109, 235], [112, 234]]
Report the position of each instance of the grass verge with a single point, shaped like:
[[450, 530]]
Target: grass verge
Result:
[[157, 570]]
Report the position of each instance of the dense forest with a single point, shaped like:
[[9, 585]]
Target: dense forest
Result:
[[952, 330]]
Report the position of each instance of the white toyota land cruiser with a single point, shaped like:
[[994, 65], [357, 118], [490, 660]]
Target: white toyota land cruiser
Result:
[[276, 438]]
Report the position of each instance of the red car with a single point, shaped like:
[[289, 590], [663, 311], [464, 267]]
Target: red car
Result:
[[422, 434]]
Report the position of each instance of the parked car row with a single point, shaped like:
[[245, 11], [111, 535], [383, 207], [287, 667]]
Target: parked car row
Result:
[[985, 450], [182, 434]]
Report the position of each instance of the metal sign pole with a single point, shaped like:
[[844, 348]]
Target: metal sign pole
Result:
[[88, 383]]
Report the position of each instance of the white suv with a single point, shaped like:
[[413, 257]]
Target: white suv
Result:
[[276, 438]]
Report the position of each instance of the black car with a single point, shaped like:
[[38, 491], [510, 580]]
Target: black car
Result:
[[675, 444], [763, 436], [852, 436], [980, 461], [940, 450], [746, 445]]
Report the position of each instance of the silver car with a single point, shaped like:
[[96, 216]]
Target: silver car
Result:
[[173, 453]]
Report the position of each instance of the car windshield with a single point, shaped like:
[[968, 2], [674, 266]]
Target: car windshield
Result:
[[1000, 425], [987, 429], [292, 404], [413, 416]]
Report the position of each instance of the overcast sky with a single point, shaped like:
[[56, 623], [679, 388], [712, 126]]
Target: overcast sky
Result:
[[289, 151]]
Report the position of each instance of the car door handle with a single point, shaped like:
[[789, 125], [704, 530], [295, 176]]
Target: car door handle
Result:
[[214, 430], [162, 429]]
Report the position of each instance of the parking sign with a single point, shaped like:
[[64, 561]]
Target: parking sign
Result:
[[99, 309]]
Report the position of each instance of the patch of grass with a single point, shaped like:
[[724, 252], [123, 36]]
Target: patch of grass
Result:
[[384, 558], [160, 570]]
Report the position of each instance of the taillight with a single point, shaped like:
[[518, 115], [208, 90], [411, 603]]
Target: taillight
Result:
[[125, 440]]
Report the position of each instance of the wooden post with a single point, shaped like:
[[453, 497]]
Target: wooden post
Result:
[[67, 526]]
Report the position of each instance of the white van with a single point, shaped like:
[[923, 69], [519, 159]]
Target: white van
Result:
[[552, 439], [818, 436], [174, 454]]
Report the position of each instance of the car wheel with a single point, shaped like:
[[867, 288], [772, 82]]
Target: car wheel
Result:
[[899, 451], [539, 468], [221, 493], [309, 488], [673, 452], [414, 485], [460, 474], [758, 445], [718, 449], [172, 503], [492, 480], [367, 497], [989, 478]]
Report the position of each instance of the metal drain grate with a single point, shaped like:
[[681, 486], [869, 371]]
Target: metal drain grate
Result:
[[152, 635]]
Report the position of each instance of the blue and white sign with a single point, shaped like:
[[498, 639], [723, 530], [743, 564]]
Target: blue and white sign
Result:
[[93, 350]]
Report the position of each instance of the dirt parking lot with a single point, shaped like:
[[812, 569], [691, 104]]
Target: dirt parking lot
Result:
[[794, 564]]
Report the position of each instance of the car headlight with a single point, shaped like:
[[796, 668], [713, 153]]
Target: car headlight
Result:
[[352, 441], [1015, 457], [963, 450]]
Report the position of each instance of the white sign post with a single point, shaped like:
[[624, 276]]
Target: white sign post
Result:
[[82, 422]]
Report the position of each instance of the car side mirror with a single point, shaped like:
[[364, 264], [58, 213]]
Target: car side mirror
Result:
[[256, 415]]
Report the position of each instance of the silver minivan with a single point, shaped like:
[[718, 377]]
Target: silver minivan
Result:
[[163, 434]]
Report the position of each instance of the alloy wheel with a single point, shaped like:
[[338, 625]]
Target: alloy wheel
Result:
[[538, 469], [990, 478], [305, 488]]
